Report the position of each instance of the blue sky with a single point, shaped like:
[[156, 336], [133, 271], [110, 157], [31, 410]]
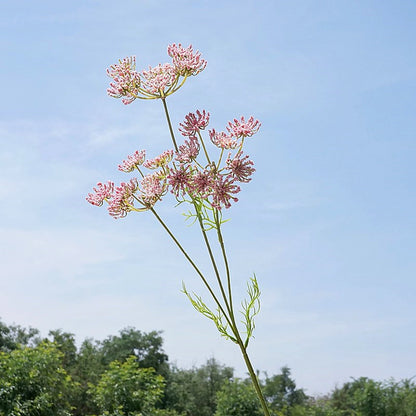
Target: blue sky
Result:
[[327, 224]]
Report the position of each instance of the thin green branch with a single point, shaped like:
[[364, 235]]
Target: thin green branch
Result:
[[172, 135], [193, 265], [213, 262]]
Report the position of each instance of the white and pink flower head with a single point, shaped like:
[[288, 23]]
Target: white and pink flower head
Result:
[[159, 161], [132, 161], [223, 140], [123, 199], [241, 128], [102, 192], [157, 80], [194, 122], [185, 60], [127, 81]]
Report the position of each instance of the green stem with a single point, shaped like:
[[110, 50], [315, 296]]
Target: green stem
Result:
[[253, 377], [240, 342], [227, 268], [193, 265], [172, 135], [203, 146], [214, 264], [230, 320]]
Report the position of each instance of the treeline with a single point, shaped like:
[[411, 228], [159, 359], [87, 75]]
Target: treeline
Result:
[[129, 375]]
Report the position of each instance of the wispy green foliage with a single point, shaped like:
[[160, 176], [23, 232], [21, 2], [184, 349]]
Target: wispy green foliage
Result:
[[251, 307], [217, 318]]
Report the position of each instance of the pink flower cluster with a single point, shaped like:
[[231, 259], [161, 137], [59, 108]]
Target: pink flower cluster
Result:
[[158, 79], [156, 82], [126, 83], [210, 181], [122, 200], [103, 192], [194, 123], [185, 60], [183, 172], [133, 162], [146, 192]]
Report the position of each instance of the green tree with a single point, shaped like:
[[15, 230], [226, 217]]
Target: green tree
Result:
[[238, 398], [194, 391], [281, 393], [13, 336], [366, 397], [33, 382], [65, 342], [401, 398], [126, 389], [146, 347], [87, 370]]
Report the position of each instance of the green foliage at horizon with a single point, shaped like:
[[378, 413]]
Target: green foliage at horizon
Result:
[[129, 375]]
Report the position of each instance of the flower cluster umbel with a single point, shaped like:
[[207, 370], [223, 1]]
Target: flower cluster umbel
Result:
[[155, 82], [189, 173]]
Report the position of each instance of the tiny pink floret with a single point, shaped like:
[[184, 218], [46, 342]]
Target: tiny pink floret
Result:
[[152, 189], [194, 122], [241, 168], [223, 140], [126, 83], [123, 199], [185, 60], [241, 128], [159, 161], [132, 161], [224, 189], [102, 192], [188, 151], [157, 79]]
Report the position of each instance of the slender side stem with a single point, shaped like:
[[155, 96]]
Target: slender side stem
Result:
[[169, 123], [203, 146], [227, 268], [214, 264], [193, 265]]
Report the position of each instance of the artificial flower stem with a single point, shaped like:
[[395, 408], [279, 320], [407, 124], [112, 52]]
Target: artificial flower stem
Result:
[[172, 135]]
